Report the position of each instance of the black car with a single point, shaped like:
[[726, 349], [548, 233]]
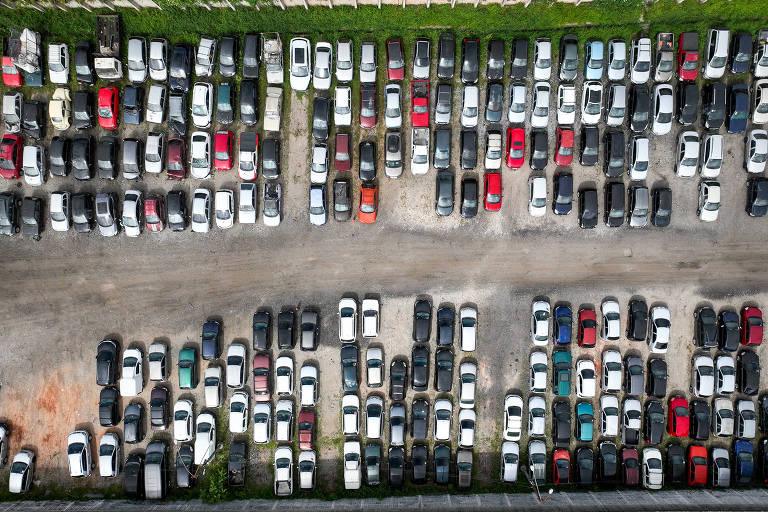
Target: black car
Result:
[[106, 363], [133, 104], [470, 60], [133, 423], [657, 377], [262, 330], [639, 108], [419, 419], [177, 113], [419, 368], [494, 69], [82, 217], [757, 197], [225, 99], [422, 320], [81, 157], [588, 208], [590, 145], [367, 161], [654, 421], [762, 411], [321, 112], [32, 119], [729, 334], [228, 56], [446, 319], [442, 156], [661, 198], [687, 103], [349, 361], [109, 414], [675, 463], [82, 110], [210, 340], [608, 461], [372, 464], [59, 155], [396, 458], [158, 408], [563, 193], [398, 376], [180, 67], [613, 215], [185, 467], [285, 323], [700, 414], [237, 464], [738, 108], [614, 147], [539, 150], [83, 63], [106, 158], [637, 320], [741, 52], [706, 327], [31, 216], [176, 206], [419, 456], [444, 193], [585, 465], [251, 56], [270, 158], [748, 374], [342, 202], [133, 476], [468, 149], [494, 102], [446, 56], [713, 105], [569, 58], [561, 423], [518, 64], [443, 370], [468, 197], [249, 103]]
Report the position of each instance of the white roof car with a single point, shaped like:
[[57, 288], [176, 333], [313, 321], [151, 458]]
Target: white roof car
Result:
[[344, 61], [518, 102], [631, 418], [443, 415], [542, 58], [756, 151], [284, 421], [540, 110], [59, 108], [585, 378], [469, 106], [307, 466], [493, 150], [537, 416], [419, 151], [202, 104], [746, 420], [370, 318], [273, 109], [342, 106], [468, 319], [617, 60], [393, 114], [132, 212], [353, 473], [323, 63], [200, 155], [609, 415], [347, 320], [591, 102], [238, 412], [513, 417], [397, 425], [722, 417], [510, 455], [350, 415], [158, 362], [709, 200], [284, 375], [716, 53], [538, 371], [22, 472], [246, 210], [156, 103], [137, 59], [616, 105], [687, 154], [236, 359], [467, 418], [711, 155], [660, 336], [726, 375], [158, 60], [467, 380], [283, 471], [653, 476], [131, 383], [109, 455], [225, 209], [33, 165], [154, 152], [301, 63], [205, 438], [212, 384], [318, 172], [611, 381], [611, 329], [59, 209], [663, 108], [639, 157], [760, 111], [702, 376], [205, 57], [421, 64], [308, 383], [183, 418], [374, 364], [537, 196], [374, 417], [566, 104], [368, 62], [540, 313], [640, 70], [262, 422], [58, 63], [271, 205]]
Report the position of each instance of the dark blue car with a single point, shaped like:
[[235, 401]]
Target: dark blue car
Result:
[[211, 331], [563, 319], [738, 108], [743, 452]]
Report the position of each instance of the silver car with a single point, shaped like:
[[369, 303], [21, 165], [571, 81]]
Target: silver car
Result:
[[106, 215], [639, 202], [317, 210]]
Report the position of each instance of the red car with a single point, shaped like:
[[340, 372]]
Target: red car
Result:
[[688, 56], [11, 149], [564, 146], [751, 326], [154, 213], [109, 98], [342, 160], [222, 150], [369, 197], [395, 60], [306, 429], [420, 103], [261, 371], [587, 328], [176, 159], [561, 467], [630, 466], [11, 75], [492, 199], [678, 422], [367, 106], [697, 464], [515, 147]]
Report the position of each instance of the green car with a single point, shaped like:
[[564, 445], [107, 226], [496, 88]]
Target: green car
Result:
[[561, 376], [187, 369]]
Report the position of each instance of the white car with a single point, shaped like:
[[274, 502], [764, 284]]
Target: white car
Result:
[[513, 417], [611, 329], [201, 211], [22, 472], [760, 111], [663, 109], [537, 416], [347, 320], [591, 102], [540, 110], [200, 155], [301, 64], [374, 417], [284, 375], [542, 58], [307, 466], [631, 423], [236, 358], [353, 473], [585, 378], [308, 383], [283, 471], [202, 104], [370, 318], [284, 421], [109, 455], [262, 422], [132, 382], [611, 381], [419, 151], [58, 63], [13, 105], [318, 172], [443, 415], [653, 476], [421, 59], [183, 419], [273, 109], [660, 336], [205, 438], [59, 209], [469, 106], [616, 105], [205, 57], [726, 375], [342, 106], [246, 210], [33, 165], [344, 64], [639, 157], [746, 420], [687, 154], [518, 101], [154, 152], [703, 376], [493, 150], [566, 104], [238, 412], [709, 201], [640, 70], [510, 456], [323, 64], [212, 385], [722, 417], [537, 196], [393, 114], [374, 362], [716, 53], [609, 415], [158, 363], [156, 104], [467, 418], [756, 151], [317, 208], [350, 415], [132, 212], [368, 62], [225, 209], [467, 381], [60, 108], [711, 155], [248, 163], [617, 60], [540, 313], [158, 60], [397, 425], [468, 319], [538, 371], [271, 204]]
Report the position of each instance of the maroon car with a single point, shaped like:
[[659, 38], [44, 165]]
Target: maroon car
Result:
[[176, 158], [343, 160], [306, 429], [367, 106], [261, 371], [630, 466]]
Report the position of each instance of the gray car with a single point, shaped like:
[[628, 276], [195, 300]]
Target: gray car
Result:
[[106, 215], [421, 59], [633, 375], [442, 158], [721, 468], [228, 56], [132, 159], [569, 58], [494, 103], [639, 201], [310, 330], [444, 193], [443, 102], [317, 210], [464, 467], [397, 425], [419, 419], [393, 157]]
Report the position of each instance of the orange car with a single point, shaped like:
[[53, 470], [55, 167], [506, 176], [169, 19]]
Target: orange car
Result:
[[369, 198]]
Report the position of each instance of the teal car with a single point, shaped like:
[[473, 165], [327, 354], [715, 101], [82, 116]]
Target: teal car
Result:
[[187, 369], [561, 375], [585, 416]]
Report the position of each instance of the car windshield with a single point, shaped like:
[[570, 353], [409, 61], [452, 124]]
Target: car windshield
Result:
[[105, 112]]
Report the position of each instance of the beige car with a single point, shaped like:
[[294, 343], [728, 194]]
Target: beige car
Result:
[[59, 108]]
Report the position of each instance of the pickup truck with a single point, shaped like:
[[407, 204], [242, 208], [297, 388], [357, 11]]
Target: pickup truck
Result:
[[665, 56], [205, 57], [107, 62], [688, 56], [273, 57], [273, 108], [420, 103], [236, 464], [420, 151], [760, 58]]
